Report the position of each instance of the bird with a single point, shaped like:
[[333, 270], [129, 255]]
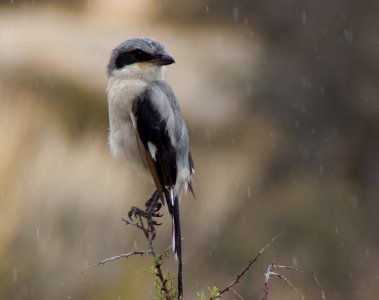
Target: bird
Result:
[[146, 126]]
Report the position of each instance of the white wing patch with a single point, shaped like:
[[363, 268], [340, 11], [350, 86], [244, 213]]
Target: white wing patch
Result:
[[172, 197], [152, 150]]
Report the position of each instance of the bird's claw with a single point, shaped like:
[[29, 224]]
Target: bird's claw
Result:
[[137, 214]]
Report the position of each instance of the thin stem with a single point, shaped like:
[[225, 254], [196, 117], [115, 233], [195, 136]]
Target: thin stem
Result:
[[124, 255], [247, 268]]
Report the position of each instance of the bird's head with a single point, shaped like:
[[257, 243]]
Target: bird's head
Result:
[[139, 58]]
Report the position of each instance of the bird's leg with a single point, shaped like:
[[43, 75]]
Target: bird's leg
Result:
[[151, 211], [153, 206]]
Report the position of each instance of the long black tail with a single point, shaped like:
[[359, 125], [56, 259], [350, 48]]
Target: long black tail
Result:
[[173, 208], [178, 245]]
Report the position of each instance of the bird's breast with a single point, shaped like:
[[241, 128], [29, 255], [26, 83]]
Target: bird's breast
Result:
[[122, 137]]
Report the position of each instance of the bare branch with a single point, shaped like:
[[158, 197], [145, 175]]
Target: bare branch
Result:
[[323, 296], [238, 295], [247, 268], [125, 255], [270, 273], [149, 233], [288, 268], [280, 276]]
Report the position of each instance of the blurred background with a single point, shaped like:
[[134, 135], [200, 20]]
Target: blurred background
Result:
[[282, 105]]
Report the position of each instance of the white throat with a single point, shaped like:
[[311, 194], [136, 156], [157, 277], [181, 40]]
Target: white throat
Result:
[[140, 71]]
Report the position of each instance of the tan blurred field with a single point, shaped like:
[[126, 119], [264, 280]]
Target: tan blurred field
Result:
[[279, 148]]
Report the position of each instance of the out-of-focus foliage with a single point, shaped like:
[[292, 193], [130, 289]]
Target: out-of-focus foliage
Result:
[[281, 101]]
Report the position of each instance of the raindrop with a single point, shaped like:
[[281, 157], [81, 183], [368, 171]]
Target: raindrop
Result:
[[249, 192], [306, 83], [321, 169], [367, 253], [304, 16], [322, 90], [207, 8], [217, 229], [337, 230], [15, 275], [295, 262], [348, 33], [236, 14], [37, 233], [249, 90]]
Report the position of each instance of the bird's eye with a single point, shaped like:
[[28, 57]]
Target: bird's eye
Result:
[[138, 52], [141, 56], [131, 57]]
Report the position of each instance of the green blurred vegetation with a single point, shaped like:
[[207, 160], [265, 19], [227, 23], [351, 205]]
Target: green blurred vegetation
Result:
[[282, 107]]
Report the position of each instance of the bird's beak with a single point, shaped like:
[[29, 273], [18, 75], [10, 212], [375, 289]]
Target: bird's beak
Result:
[[163, 59]]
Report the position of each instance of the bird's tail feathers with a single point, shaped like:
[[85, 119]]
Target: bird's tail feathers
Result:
[[177, 243], [176, 233], [173, 208]]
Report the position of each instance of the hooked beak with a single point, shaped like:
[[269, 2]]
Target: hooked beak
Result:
[[163, 60]]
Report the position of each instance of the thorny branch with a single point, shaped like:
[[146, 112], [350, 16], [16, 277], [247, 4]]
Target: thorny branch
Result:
[[124, 255], [323, 296], [270, 273], [247, 268], [148, 230]]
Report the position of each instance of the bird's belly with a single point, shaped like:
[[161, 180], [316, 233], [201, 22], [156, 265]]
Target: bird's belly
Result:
[[123, 144]]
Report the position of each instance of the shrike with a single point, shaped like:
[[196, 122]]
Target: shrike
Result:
[[146, 126]]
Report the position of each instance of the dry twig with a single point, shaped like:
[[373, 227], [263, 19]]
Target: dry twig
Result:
[[323, 296], [270, 273], [247, 268], [149, 232], [124, 255]]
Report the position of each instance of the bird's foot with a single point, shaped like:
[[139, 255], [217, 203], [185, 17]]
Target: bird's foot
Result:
[[153, 205], [148, 214], [137, 215]]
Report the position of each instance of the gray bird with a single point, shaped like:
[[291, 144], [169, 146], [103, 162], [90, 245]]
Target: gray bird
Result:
[[146, 125]]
